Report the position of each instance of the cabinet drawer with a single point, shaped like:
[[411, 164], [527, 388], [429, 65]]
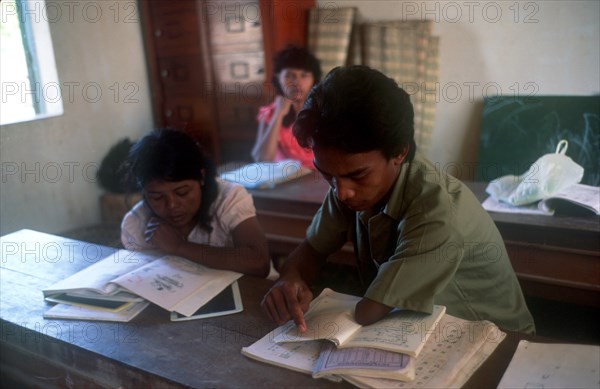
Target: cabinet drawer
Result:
[[240, 68], [182, 73], [239, 113], [182, 111], [235, 23], [176, 32]]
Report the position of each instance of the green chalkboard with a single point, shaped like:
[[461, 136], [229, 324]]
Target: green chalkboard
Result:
[[516, 131]]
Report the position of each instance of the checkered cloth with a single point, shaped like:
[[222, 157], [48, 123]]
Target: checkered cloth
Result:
[[407, 52], [329, 33], [403, 50]]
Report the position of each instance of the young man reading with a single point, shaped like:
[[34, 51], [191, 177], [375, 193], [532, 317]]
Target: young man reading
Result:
[[421, 236]]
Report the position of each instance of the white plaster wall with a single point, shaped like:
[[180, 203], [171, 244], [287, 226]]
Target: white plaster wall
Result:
[[54, 187], [556, 52], [525, 47]]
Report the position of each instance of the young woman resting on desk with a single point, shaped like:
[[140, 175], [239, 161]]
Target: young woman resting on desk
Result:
[[187, 212], [295, 73]]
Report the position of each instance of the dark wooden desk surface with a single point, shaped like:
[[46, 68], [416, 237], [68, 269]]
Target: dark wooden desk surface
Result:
[[149, 351], [555, 257]]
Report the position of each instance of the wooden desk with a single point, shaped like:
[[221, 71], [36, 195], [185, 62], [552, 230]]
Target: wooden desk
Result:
[[555, 257], [149, 351]]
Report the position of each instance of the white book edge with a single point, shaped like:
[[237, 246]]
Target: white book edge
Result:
[[266, 174], [72, 312]]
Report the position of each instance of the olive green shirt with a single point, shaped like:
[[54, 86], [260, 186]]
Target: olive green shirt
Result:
[[432, 243]]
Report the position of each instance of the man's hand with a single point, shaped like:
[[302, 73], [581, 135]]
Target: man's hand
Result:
[[288, 299]]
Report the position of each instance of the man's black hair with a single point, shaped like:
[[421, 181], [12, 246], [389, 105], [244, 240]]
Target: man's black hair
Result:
[[357, 109]]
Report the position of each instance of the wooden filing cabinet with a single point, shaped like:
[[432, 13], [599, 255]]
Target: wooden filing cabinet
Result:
[[209, 65], [180, 69], [236, 44]]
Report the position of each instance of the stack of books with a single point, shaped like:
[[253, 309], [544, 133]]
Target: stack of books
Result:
[[120, 286], [405, 349]]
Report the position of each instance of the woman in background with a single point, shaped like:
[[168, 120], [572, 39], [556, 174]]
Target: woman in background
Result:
[[187, 212], [295, 72]]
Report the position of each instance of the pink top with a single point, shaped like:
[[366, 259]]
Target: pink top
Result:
[[287, 146]]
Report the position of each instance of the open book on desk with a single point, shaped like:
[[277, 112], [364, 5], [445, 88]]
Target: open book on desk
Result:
[[262, 175], [331, 317], [581, 197], [170, 282], [449, 358], [578, 199]]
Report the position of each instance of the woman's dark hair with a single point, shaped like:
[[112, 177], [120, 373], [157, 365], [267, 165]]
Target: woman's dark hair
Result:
[[357, 109], [297, 58], [172, 155]]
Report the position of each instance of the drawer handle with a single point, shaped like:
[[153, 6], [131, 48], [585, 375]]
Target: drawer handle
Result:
[[164, 73], [158, 33]]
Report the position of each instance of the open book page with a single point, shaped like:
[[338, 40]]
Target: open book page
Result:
[[169, 281], [266, 174], [299, 356], [97, 277], [330, 316], [585, 196], [451, 355], [366, 362], [67, 311], [400, 331], [542, 365], [464, 371]]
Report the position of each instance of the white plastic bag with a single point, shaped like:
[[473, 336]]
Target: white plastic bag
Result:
[[550, 174]]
